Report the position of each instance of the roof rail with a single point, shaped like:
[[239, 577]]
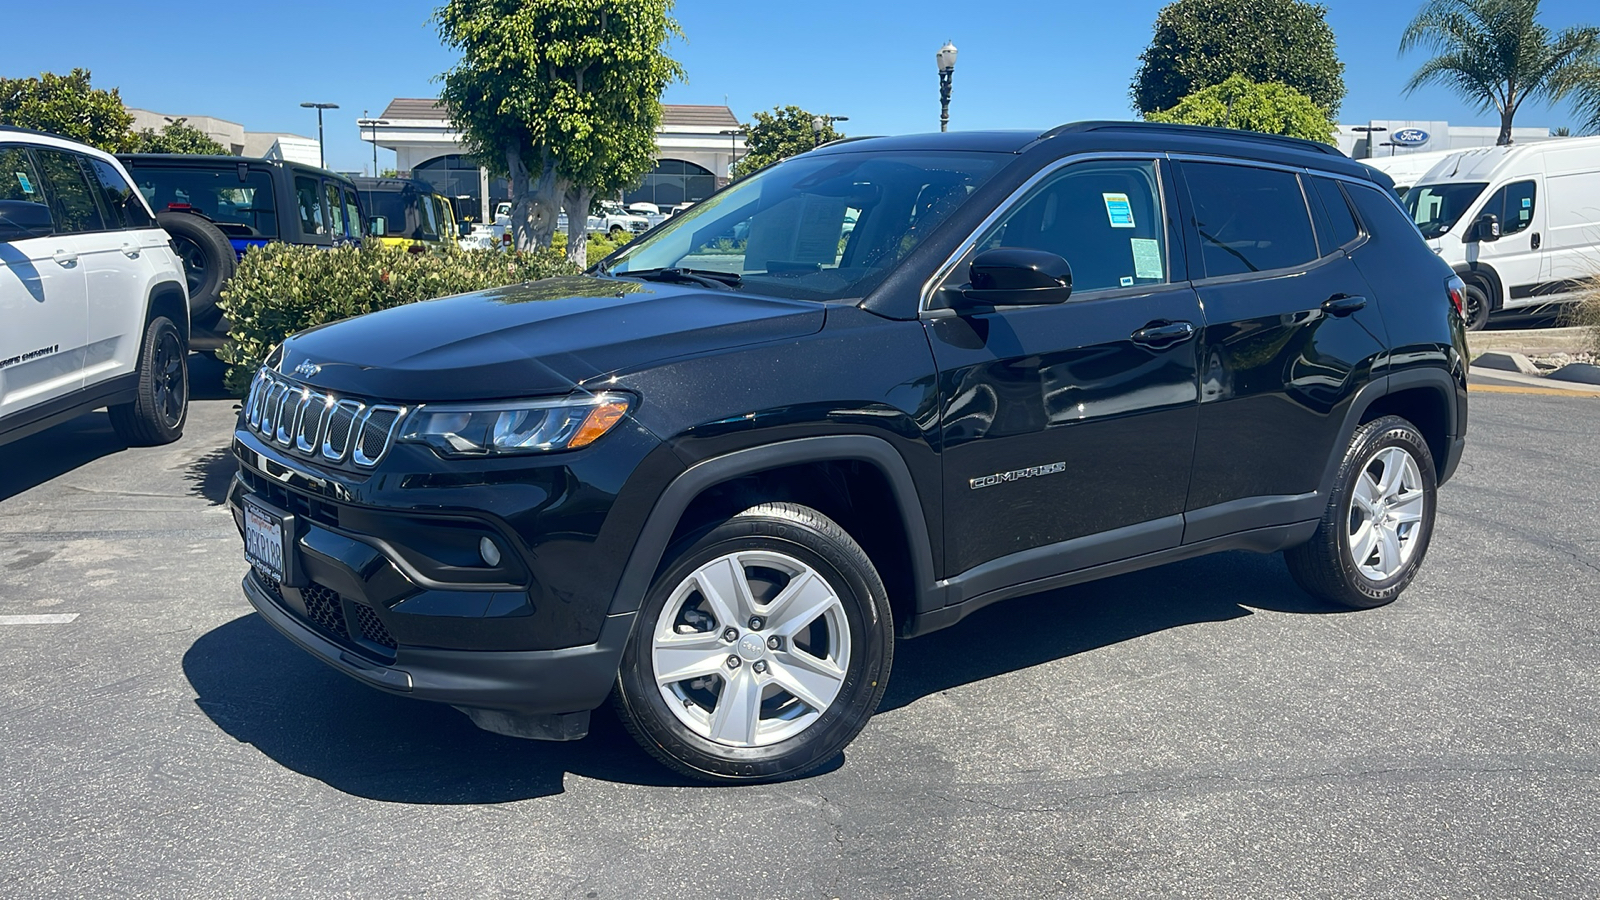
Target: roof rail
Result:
[[1284, 141]]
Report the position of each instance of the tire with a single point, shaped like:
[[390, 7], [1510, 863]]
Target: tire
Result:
[[1475, 306], [1327, 566], [617, 232], [208, 258], [774, 547], [161, 406]]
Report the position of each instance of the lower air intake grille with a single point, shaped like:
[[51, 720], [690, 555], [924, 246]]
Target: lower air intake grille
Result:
[[324, 609], [372, 627]]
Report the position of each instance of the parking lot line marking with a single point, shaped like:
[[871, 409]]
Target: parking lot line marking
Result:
[[1517, 389], [57, 619]]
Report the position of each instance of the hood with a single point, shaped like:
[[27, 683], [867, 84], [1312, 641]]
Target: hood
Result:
[[533, 339]]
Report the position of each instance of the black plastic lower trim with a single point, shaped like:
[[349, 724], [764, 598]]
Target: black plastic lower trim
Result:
[[116, 391]]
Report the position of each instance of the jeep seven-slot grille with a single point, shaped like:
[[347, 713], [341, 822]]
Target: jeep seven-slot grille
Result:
[[316, 424]]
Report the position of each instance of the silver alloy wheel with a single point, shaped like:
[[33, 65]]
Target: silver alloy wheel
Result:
[[1385, 514], [751, 648]]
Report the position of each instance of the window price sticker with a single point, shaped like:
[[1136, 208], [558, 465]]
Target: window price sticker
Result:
[[1119, 210]]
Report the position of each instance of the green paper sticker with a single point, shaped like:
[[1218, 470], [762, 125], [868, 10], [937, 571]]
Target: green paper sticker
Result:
[[1119, 210], [1147, 258]]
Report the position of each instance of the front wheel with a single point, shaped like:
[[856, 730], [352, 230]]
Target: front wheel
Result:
[[1475, 306], [1376, 526], [761, 651]]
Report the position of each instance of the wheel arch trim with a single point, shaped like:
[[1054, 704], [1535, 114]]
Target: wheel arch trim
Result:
[[1486, 272], [1436, 379], [651, 545]]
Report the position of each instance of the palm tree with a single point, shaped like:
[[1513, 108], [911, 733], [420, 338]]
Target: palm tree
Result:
[[1495, 54]]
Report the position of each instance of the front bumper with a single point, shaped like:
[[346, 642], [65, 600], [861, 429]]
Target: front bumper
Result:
[[521, 683]]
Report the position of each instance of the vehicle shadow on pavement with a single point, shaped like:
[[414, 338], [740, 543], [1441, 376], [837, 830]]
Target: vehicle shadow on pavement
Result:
[[210, 475], [55, 451], [1027, 631], [264, 691]]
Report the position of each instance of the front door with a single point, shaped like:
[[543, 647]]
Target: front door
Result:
[[1073, 422], [42, 302], [1518, 256]]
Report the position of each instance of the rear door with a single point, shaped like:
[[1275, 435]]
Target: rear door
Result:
[[42, 304], [1291, 333], [1074, 420], [1572, 211]]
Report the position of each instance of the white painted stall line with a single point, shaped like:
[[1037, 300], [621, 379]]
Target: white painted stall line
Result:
[[56, 619]]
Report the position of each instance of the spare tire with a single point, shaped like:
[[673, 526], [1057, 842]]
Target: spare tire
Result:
[[208, 258]]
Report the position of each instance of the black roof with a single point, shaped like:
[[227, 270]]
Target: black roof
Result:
[[197, 160], [369, 183], [1120, 136]]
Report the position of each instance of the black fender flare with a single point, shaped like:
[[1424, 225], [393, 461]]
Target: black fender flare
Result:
[[1436, 378], [1497, 292], [651, 544]]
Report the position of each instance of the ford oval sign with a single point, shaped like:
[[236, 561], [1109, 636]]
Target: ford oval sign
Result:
[[1411, 137]]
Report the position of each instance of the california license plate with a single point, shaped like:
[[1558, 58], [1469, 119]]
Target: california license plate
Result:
[[263, 541]]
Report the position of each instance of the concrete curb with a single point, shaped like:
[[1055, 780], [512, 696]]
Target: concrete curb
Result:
[[1517, 378]]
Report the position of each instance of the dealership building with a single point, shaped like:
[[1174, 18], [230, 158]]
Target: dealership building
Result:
[[1398, 137], [695, 148]]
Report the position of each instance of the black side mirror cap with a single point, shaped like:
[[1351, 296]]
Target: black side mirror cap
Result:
[[1487, 228], [1015, 276]]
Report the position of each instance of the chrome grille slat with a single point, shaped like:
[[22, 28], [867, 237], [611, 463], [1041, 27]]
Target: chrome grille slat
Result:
[[312, 423]]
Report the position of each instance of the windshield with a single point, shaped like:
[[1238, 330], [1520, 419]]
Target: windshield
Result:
[[241, 206], [1437, 207], [818, 227], [406, 214]]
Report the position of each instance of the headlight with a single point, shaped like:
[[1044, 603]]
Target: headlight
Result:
[[515, 426]]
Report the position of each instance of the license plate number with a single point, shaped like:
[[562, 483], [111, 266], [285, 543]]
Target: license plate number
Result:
[[263, 541]]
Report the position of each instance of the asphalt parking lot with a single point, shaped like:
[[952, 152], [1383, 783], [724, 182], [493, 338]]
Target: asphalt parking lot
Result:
[[1199, 730]]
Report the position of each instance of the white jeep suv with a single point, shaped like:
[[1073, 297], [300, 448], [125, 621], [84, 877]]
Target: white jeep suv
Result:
[[93, 308]]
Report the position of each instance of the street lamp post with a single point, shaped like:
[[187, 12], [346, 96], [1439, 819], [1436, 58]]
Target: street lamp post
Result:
[[1369, 130], [733, 147], [820, 124], [946, 58], [372, 124], [322, 155]]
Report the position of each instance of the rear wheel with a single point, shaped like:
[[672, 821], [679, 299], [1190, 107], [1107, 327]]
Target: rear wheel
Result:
[[1376, 527], [161, 404], [761, 651]]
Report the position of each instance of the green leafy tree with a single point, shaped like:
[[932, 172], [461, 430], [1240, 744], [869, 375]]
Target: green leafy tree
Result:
[[780, 134], [1495, 55], [1238, 102], [67, 105], [177, 136], [1200, 43], [560, 96]]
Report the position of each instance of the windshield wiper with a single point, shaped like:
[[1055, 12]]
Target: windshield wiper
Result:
[[703, 277]]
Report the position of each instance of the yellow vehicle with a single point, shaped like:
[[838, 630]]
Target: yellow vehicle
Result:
[[405, 212]]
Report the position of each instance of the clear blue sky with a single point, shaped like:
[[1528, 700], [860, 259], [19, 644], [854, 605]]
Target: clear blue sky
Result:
[[1022, 65]]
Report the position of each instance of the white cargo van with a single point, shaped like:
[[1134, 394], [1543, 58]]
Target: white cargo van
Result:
[[1520, 224]]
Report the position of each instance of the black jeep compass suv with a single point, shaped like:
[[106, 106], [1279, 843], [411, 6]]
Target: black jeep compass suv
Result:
[[851, 399]]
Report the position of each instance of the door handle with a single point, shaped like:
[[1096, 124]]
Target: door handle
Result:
[[1160, 335], [1536, 240], [130, 249], [1343, 304], [65, 258]]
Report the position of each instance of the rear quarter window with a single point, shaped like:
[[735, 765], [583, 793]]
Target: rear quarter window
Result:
[[1248, 219]]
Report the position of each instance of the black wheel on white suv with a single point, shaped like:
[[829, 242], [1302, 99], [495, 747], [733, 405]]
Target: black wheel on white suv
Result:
[[161, 404], [1475, 306], [1377, 524], [761, 650]]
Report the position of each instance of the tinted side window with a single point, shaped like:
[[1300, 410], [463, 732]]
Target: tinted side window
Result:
[[77, 209], [1340, 221], [122, 202], [1104, 218], [1383, 219], [309, 199], [335, 207], [1248, 219], [352, 213], [1514, 205], [24, 213]]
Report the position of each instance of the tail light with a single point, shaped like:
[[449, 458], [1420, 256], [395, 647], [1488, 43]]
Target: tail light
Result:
[[1457, 291], [505, 237], [416, 248], [179, 207]]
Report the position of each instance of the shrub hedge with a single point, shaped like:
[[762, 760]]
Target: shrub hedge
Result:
[[280, 289]]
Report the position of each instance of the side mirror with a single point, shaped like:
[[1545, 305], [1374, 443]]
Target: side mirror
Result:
[[1015, 276], [1487, 228], [464, 229], [378, 226]]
